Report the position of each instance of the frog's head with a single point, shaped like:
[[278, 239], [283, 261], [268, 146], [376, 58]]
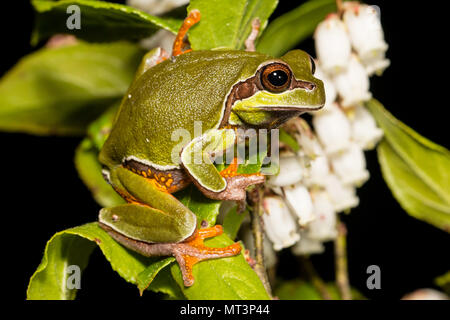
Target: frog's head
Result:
[[279, 89]]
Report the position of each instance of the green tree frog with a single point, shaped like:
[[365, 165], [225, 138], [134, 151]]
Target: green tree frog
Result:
[[225, 90]]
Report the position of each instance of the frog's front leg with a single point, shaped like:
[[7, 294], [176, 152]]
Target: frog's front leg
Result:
[[155, 223], [225, 185]]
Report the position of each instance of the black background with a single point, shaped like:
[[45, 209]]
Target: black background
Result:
[[42, 194]]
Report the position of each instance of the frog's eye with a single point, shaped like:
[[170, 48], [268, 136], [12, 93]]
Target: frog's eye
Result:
[[276, 77], [313, 65]]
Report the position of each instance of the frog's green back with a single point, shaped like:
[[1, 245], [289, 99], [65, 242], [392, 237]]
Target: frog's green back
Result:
[[174, 95]]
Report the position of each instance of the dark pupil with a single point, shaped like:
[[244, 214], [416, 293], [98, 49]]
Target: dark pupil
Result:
[[277, 78]]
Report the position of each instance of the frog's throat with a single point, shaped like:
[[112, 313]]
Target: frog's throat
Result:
[[246, 88]]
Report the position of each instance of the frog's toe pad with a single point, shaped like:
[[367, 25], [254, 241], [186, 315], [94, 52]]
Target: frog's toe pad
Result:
[[193, 250]]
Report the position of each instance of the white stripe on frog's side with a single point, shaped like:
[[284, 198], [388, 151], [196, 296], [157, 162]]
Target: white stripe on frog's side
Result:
[[106, 175], [151, 164]]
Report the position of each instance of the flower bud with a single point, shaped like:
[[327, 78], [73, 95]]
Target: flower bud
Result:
[[299, 201], [426, 294], [367, 37], [279, 224], [291, 172], [332, 44], [352, 85], [350, 165], [333, 129], [323, 228], [342, 196], [364, 128]]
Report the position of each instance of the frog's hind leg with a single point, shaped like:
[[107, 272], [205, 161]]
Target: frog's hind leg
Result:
[[187, 253], [155, 223], [180, 42]]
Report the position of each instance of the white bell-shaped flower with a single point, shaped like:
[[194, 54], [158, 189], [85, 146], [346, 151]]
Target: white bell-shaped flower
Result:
[[376, 66], [291, 171], [353, 84], [364, 128], [307, 246], [333, 129], [298, 199], [333, 45], [342, 196], [156, 7], [279, 224], [323, 228], [350, 165], [330, 90], [367, 37], [318, 167]]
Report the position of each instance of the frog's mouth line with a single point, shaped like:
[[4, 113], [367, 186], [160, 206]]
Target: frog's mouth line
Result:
[[288, 108]]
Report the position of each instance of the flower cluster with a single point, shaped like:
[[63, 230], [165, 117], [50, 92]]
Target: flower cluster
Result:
[[320, 180]]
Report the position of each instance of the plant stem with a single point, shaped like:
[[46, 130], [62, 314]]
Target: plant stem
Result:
[[340, 7], [341, 268], [258, 237], [316, 281]]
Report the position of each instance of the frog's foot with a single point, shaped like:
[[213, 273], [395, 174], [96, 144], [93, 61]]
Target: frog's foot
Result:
[[180, 42], [187, 253], [250, 42], [193, 250], [236, 183]]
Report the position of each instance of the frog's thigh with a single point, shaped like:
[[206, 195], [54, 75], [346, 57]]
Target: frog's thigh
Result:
[[144, 223], [195, 158], [155, 208]]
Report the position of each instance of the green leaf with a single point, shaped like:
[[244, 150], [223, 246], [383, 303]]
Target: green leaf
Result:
[[253, 161], [164, 283], [146, 277], [73, 247], [100, 129], [90, 171], [288, 30], [289, 140], [227, 24], [443, 281], [416, 170], [222, 279], [205, 209], [232, 222], [99, 21], [61, 90], [302, 290]]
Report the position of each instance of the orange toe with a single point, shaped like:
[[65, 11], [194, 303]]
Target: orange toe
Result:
[[192, 251]]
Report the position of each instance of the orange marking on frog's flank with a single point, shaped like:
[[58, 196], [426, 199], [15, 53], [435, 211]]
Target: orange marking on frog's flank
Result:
[[231, 170], [199, 252], [179, 43], [144, 174]]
